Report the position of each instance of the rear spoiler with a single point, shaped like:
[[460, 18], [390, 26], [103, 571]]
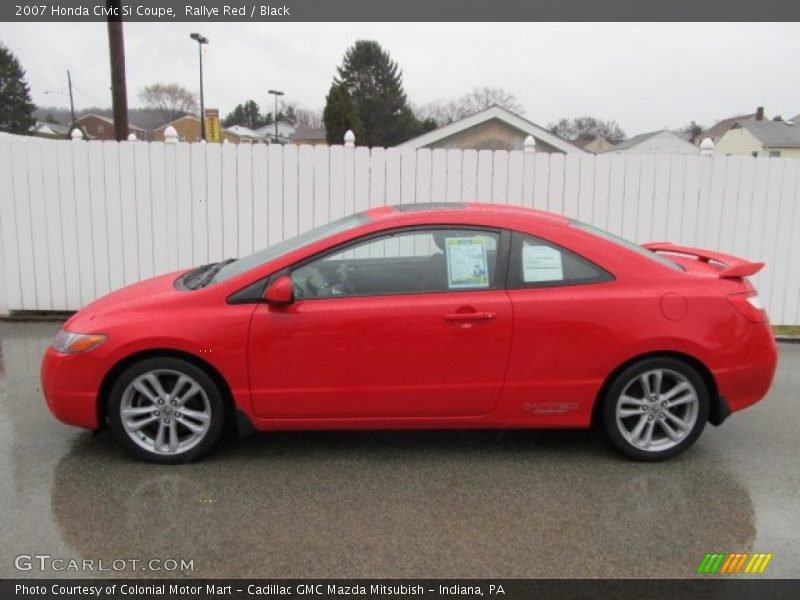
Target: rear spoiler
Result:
[[731, 265]]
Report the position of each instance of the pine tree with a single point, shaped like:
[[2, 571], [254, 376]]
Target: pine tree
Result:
[[375, 84], [247, 115], [16, 107], [340, 115]]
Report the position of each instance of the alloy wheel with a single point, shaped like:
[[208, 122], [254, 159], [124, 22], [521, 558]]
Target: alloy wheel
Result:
[[657, 410], [165, 412]]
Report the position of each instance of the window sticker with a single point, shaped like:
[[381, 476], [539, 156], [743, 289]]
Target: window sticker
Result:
[[466, 263], [541, 263]]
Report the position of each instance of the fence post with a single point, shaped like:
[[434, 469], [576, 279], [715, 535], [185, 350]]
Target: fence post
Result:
[[171, 135], [530, 144], [707, 147], [349, 139]]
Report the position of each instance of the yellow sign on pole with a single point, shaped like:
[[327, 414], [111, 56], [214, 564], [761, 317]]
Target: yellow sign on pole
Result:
[[212, 125]]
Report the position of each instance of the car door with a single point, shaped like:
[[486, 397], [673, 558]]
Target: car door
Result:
[[410, 323], [564, 340]]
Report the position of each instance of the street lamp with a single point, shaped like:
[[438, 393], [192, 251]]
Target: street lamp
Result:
[[200, 39], [276, 93]]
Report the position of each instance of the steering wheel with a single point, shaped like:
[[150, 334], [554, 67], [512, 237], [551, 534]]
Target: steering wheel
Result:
[[310, 283]]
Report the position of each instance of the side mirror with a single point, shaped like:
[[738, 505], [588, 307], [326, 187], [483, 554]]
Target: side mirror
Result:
[[280, 292]]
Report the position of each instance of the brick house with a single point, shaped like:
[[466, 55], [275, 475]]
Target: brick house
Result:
[[98, 127], [188, 128]]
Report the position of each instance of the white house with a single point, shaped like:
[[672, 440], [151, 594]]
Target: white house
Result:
[[493, 128], [285, 131], [245, 134], [655, 142]]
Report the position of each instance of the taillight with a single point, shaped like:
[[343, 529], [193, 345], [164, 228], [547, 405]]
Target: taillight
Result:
[[749, 304]]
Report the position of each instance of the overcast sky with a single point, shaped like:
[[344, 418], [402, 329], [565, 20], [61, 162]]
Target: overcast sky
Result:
[[644, 76]]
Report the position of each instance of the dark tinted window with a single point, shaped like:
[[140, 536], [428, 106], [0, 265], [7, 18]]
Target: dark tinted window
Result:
[[405, 262], [538, 263], [265, 255]]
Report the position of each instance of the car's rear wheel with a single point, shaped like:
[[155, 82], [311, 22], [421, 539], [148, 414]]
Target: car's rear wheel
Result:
[[655, 409], [166, 410]]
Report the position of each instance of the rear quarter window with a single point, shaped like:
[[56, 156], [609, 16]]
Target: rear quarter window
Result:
[[538, 263]]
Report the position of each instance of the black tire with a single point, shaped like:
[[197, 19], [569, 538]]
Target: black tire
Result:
[[216, 405], [612, 429]]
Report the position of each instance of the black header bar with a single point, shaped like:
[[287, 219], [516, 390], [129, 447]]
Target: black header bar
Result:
[[169, 11]]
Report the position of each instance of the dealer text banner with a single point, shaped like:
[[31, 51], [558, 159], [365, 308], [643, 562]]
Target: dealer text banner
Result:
[[168, 11], [386, 589]]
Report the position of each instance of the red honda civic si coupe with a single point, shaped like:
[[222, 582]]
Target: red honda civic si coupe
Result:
[[422, 316]]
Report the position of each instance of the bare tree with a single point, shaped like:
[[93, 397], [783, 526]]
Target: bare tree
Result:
[[584, 129], [480, 98], [169, 99], [306, 117]]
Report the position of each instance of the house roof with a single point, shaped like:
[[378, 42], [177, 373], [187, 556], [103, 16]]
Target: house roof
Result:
[[183, 118], [493, 112], [774, 133], [108, 120], [54, 127], [284, 129], [724, 125], [638, 139], [245, 132], [795, 119], [309, 133]]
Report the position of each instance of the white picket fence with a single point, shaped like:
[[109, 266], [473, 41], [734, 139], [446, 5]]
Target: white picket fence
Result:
[[79, 219]]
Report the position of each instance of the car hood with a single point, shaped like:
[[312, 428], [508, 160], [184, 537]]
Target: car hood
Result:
[[139, 297]]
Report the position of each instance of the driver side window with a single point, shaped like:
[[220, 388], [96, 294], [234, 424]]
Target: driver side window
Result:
[[405, 262]]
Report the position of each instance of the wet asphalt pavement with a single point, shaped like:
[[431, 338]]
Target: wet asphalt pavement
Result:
[[403, 504]]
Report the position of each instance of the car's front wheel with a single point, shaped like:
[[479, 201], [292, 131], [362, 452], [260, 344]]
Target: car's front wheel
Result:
[[655, 409], [166, 410]]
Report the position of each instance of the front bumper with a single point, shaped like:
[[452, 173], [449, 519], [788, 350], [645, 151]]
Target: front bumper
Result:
[[70, 383]]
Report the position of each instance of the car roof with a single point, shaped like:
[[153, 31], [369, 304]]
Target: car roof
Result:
[[398, 211]]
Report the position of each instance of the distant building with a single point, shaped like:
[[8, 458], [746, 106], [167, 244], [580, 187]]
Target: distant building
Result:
[[493, 128], [721, 128], [655, 142], [188, 128], [314, 136], [98, 127], [761, 138], [245, 134], [596, 145], [285, 132], [50, 130]]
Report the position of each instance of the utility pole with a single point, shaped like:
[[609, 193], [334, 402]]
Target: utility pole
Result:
[[276, 93], [200, 39], [71, 103], [116, 50]]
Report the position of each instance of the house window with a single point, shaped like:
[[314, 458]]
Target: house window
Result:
[[100, 129], [774, 153]]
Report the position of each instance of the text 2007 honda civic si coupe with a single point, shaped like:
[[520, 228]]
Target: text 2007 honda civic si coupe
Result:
[[422, 316]]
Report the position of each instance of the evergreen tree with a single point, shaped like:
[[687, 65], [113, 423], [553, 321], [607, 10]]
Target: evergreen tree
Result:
[[16, 107], [340, 115], [247, 115], [375, 84]]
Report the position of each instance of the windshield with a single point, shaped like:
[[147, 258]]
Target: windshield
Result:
[[627, 244], [269, 253]]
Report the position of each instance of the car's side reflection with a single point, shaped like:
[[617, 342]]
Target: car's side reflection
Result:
[[403, 504]]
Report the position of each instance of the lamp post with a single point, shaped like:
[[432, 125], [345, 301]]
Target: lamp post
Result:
[[200, 39], [276, 93]]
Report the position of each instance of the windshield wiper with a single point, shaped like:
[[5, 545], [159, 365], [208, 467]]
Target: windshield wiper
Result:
[[209, 273]]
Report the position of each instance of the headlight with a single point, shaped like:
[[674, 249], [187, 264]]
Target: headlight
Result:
[[72, 343]]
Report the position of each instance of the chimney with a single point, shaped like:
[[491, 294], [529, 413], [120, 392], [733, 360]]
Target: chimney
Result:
[[760, 113]]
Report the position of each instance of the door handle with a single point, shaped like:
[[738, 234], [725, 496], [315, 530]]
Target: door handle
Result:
[[471, 316]]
